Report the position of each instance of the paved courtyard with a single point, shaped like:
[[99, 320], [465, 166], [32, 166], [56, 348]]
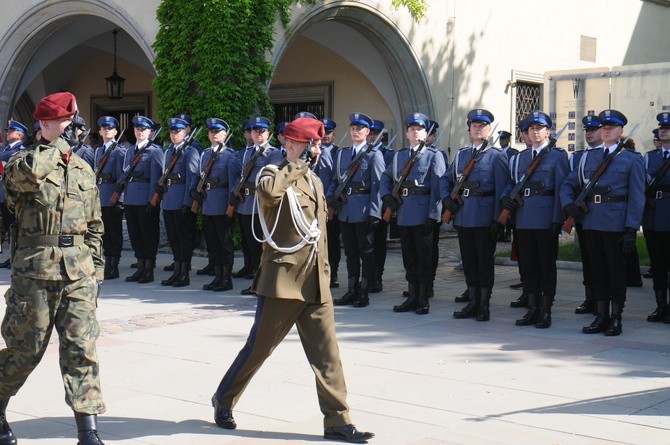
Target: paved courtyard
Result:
[[419, 380]]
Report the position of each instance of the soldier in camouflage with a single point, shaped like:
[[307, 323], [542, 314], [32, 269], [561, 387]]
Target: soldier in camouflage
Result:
[[56, 269]]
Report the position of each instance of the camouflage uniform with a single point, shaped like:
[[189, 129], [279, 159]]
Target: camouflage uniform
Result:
[[56, 267]]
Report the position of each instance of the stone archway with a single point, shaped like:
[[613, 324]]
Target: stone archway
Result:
[[409, 81], [27, 43]]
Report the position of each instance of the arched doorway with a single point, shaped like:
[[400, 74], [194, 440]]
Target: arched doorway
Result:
[[325, 45], [67, 46]]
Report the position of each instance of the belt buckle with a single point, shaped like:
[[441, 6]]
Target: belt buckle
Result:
[[207, 186], [659, 194], [247, 192], [99, 181], [65, 240], [526, 191], [168, 182], [597, 199], [349, 191], [405, 191], [466, 193]]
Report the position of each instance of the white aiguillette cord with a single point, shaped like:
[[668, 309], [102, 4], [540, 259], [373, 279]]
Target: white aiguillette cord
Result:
[[308, 232]]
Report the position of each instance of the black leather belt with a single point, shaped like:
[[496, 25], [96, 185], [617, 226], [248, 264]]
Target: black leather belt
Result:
[[357, 191], [215, 184], [105, 178], [50, 241], [537, 191], [173, 181], [473, 192], [414, 190], [660, 194], [597, 199], [248, 188], [138, 177]]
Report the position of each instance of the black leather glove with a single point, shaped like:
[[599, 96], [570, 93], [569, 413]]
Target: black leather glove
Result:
[[556, 228], [496, 229], [308, 155], [233, 200], [119, 187], [152, 209], [571, 209], [194, 195], [119, 208], [69, 135], [160, 189], [450, 204], [430, 226], [508, 203], [334, 203], [628, 240], [390, 202], [372, 223]]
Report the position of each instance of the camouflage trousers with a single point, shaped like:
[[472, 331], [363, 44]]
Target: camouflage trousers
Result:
[[34, 307]]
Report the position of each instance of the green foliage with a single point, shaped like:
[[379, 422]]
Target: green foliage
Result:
[[417, 8]]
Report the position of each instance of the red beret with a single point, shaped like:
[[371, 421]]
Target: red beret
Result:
[[303, 129], [55, 106]]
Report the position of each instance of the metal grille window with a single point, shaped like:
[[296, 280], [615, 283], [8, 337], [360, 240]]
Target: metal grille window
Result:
[[527, 101]]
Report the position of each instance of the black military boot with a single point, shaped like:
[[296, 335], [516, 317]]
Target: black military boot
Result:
[[183, 279], [108, 261], [522, 301], [362, 300], [175, 274], [351, 295], [148, 275], [484, 313], [170, 267], [661, 306], [430, 290], [463, 298], [334, 282], [209, 269], [139, 272], [472, 308], [532, 314], [245, 269], [7, 437], [410, 303], [226, 282], [602, 319], [376, 286], [614, 327], [544, 319], [87, 427], [218, 276], [422, 305], [113, 268], [589, 304]]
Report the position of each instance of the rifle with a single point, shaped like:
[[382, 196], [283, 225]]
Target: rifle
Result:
[[108, 153], [595, 177], [246, 172], [518, 187], [123, 182], [388, 146], [188, 140], [470, 166], [403, 176], [351, 171], [206, 172], [651, 190]]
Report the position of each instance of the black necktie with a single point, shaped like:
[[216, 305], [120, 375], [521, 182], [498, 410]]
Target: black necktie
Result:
[[606, 151], [666, 155], [534, 154]]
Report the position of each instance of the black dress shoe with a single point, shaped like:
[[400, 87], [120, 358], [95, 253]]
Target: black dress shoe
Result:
[[223, 417], [516, 286], [648, 274], [347, 433], [240, 273], [169, 267], [6, 264], [463, 298], [634, 283], [247, 291], [207, 270], [522, 301]]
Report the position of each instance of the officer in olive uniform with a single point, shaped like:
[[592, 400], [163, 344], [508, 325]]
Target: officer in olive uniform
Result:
[[246, 213], [476, 211], [107, 176], [220, 169], [539, 219], [142, 218], [292, 285], [418, 208], [656, 220], [324, 169], [360, 214], [381, 231], [593, 141], [614, 215], [57, 267], [16, 136]]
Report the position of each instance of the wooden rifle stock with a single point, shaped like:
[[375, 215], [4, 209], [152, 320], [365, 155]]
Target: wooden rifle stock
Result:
[[205, 174], [173, 161], [244, 177], [108, 154], [123, 182]]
